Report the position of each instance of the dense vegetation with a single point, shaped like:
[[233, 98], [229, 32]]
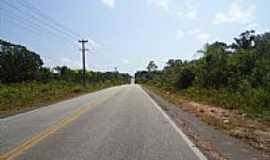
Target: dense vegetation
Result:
[[18, 64], [234, 76], [25, 82]]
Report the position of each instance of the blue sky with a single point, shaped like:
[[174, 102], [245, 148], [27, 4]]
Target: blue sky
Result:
[[129, 33]]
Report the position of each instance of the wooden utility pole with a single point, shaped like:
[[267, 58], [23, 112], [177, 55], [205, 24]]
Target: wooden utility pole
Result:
[[83, 59]]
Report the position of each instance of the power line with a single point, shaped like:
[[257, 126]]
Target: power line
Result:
[[47, 22], [31, 18], [22, 24], [38, 12], [34, 17], [31, 25]]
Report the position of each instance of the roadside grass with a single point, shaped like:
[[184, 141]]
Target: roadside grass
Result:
[[235, 115], [254, 103], [16, 97]]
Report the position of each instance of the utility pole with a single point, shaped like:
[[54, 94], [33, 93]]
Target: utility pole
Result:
[[83, 59]]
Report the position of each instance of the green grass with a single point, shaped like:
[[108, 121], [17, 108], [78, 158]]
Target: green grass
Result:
[[255, 103], [14, 97]]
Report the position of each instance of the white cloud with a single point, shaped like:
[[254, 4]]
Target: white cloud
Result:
[[179, 13], [103, 68], [161, 4], [125, 61], [236, 14], [108, 3], [180, 34], [260, 29], [192, 14], [64, 61], [46, 60], [194, 31], [164, 5], [189, 11], [252, 26], [69, 62], [203, 37], [192, 11], [93, 44]]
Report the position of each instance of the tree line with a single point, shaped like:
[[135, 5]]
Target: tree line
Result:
[[18, 64], [240, 69]]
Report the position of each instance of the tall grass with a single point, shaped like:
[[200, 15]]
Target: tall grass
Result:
[[14, 97], [255, 103]]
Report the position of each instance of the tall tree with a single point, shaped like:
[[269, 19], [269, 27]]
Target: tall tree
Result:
[[246, 40], [152, 66], [18, 64]]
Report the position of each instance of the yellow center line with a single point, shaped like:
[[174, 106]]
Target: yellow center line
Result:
[[36, 138]]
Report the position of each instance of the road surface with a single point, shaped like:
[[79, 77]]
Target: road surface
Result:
[[119, 123]]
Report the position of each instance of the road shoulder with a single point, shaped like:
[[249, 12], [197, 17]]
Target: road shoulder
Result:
[[213, 143]]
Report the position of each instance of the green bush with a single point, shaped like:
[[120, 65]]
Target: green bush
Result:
[[234, 76]]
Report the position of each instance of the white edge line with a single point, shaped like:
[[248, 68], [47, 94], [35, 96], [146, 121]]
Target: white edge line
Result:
[[192, 146]]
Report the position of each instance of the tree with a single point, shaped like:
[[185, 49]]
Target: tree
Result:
[[245, 40], [152, 66], [174, 62], [45, 74], [66, 73], [141, 76], [233, 76], [18, 64], [185, 78], [62, 70], [212, 69], [262, 46]]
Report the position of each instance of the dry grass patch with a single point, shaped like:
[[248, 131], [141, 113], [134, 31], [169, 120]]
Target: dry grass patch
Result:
[[255, 132]]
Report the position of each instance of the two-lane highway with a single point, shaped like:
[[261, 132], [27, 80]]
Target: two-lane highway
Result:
[[119, 123]]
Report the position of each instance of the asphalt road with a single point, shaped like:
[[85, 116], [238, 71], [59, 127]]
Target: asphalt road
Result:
[[120, 123]]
